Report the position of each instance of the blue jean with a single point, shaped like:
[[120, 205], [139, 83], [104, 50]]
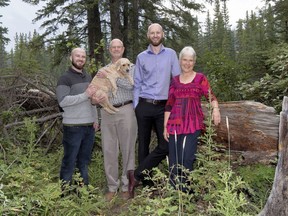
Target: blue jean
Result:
[[78, 143], [179, 156]]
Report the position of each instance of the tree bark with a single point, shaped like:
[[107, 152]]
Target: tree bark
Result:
[[277, 201], [134, 31], [115, 19], [252, 126], [95, 34]]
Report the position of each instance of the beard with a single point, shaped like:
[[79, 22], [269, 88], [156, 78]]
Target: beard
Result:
[[78, 66], [156, 43]]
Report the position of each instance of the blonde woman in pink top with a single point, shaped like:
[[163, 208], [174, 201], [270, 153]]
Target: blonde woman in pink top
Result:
[[183, 119]]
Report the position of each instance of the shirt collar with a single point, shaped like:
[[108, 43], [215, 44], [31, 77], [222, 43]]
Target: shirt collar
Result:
[[150, 51], [76, 72]]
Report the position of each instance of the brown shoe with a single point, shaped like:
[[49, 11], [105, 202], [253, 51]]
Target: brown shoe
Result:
[[132, 183], [109, 196], [125, 195]]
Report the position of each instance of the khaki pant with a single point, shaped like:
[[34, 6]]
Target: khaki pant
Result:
[[118, 134]]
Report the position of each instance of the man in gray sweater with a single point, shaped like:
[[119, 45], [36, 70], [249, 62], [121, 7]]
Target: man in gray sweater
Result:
[[79, 117]]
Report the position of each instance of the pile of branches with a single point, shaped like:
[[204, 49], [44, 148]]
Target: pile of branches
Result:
[[23, 97]]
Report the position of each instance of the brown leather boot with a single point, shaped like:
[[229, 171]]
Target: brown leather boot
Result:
[[109, 196], [132, 183]]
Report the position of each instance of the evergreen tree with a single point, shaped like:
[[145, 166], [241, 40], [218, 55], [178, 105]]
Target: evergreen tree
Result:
[[3, 39], [280, 9]]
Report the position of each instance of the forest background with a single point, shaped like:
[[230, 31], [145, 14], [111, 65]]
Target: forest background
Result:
[[241, 63], [248, 62]]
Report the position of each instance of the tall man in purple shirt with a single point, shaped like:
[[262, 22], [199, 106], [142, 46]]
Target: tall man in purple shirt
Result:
[[153, 71]]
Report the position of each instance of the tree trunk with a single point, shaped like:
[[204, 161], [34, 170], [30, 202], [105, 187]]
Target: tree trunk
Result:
[[134, 31], [277, 201], [126, 27], [115, 19], [94, 32]]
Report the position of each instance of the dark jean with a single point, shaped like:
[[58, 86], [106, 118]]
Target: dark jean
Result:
[[182, 156], [78, 143]]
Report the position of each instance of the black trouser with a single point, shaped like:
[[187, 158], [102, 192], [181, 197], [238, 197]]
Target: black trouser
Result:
[[150, 116]]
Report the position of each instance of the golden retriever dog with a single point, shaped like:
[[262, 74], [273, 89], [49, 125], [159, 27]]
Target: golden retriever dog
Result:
[[107, 85]]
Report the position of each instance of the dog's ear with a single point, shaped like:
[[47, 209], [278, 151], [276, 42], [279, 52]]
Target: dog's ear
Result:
[[118, 64]]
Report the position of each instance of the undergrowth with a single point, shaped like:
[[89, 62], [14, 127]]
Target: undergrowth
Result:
[[29, 184]]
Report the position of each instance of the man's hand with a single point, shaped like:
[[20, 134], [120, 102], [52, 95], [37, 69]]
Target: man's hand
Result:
[[96, 126], [98, 98], [90, 91]]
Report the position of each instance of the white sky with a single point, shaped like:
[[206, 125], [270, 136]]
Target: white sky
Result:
[[18, 16]]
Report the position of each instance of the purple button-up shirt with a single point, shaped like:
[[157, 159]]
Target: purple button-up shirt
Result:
[[153, 74]]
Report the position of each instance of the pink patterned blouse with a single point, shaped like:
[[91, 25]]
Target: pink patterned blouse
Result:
[[184, 103]]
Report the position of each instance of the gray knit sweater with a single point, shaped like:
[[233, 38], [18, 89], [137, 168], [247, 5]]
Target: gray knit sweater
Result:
[[73, 100]]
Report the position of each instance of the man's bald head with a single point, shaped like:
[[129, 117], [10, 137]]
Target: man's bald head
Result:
[[78, 49], [78, 58], [155, 25]]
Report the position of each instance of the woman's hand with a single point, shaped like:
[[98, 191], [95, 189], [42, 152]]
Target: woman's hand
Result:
[[216, 116], [166, 134]]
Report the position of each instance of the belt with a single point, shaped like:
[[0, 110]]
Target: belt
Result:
[[122, 104], [79, 125], [155, 102]]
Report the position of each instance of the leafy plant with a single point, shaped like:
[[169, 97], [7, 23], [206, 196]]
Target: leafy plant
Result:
[[260, 182]]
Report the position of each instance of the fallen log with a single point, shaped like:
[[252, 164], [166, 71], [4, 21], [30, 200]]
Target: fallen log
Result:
[[253, 126]]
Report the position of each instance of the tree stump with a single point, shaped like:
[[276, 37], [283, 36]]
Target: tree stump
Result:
[[278, 198]]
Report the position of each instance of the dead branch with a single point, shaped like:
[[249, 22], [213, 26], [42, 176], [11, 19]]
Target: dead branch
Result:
[[39, 120], [51, 141], [13, 87], [47, 129], [35, 111], [51, 94]]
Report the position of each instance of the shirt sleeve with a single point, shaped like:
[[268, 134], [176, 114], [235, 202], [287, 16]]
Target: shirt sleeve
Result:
[[137, 82], [207, 89], [171, 98], [63, 94], [175, 65]]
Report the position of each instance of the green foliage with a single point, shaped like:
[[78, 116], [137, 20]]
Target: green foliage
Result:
[[215, 188], [3, 31], [260, 182], [96, 170], [229, 57], [95, 65], [271, 88], [6, 116], [229, 201], [30, 130], [224, 75], [30, 185]]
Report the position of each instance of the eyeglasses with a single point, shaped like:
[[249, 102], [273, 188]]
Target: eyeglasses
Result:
[[116, 47]]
